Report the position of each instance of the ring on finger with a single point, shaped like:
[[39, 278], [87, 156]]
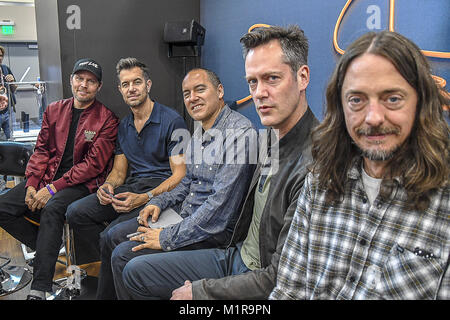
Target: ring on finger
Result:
[[142, 238]]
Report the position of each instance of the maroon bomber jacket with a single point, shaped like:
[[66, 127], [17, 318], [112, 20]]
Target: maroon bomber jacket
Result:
[[93, 147]]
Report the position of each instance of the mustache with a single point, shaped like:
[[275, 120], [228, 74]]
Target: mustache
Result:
[[372, 131]]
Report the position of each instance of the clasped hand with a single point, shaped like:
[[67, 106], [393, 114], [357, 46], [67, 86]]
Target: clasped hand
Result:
[[36, 200]]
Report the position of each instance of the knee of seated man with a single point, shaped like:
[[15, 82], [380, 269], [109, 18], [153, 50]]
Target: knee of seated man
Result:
[[52, 210], [121, 255], [72, 214], [75, 212], [132, 271], [116, 234]]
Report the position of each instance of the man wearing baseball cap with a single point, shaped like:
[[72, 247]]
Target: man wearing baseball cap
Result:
[[72, 157], [88, 65]]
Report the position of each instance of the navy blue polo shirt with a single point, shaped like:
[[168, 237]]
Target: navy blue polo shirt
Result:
[[148, 152]]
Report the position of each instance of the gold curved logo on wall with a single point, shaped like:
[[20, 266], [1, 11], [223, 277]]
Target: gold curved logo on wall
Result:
[[435, 54], [428, 53]]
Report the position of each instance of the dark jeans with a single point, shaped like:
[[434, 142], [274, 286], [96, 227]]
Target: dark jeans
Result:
[[156, 276], [88, 218], [4, 124], [116, 253], [45, 239]]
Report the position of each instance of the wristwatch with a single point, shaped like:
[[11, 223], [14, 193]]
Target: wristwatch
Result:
[[150, 195]]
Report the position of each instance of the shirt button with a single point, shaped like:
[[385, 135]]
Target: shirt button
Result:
[[196, 166], [379, 206], [192, 194], [199, 182], [210, 168], [363, 242], [364, 200], [352, 279], [190, 206]]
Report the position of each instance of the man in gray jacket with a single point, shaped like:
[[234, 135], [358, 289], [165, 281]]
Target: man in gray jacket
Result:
[[277, 75]]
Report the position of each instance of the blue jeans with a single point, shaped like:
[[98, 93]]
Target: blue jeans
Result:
[[4, 123], [155, 276], [116, 253]]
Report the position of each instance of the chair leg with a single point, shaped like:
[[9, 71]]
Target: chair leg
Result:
[[71, 285], [69, 245], [26, 254]]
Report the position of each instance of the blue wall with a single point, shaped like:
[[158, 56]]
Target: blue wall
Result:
[[426, 22]]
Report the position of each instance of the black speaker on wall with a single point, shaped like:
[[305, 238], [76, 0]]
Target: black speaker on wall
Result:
[[188, 33], [185, 38]]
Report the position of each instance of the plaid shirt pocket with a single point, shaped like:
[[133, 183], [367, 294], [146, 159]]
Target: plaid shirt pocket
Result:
[[408, 275]]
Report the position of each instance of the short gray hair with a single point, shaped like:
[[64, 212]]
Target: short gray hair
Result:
[[130, 63]]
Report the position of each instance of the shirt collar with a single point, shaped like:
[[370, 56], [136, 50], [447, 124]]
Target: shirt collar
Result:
[[90, 107], [219, 123], [298, 133], [355, 170]]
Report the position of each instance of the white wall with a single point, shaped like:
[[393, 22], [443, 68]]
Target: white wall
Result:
[[25, 22]]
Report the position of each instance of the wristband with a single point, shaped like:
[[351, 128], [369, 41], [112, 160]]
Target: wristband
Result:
[[50, 190]]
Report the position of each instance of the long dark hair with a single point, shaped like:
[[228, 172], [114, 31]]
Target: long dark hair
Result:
[[422, 161]]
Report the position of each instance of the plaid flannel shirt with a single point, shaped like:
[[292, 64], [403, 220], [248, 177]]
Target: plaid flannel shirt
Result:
[[355, 250]]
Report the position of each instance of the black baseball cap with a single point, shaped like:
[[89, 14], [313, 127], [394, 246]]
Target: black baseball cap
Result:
[[88, 64]]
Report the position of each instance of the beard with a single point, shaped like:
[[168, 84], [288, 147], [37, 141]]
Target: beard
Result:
[[81, 99], [378, 155]]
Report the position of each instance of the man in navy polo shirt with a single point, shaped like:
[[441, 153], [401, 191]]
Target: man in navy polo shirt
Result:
[[144, 165]]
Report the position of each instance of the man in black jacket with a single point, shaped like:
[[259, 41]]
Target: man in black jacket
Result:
[[277, 75]]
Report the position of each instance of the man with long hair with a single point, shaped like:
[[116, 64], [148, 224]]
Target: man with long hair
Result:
[[372, 221]]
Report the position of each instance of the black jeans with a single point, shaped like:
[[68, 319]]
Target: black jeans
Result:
[[45, 239]]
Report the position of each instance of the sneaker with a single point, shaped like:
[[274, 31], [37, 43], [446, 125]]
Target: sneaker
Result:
[[33, 297], [36, 295]]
